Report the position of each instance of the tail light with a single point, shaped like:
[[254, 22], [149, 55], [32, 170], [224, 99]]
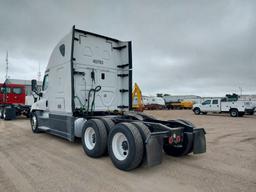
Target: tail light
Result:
[[170, 140]]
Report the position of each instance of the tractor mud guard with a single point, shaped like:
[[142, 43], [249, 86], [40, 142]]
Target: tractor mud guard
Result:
[[199, 141], [154, 149], [10, 113]]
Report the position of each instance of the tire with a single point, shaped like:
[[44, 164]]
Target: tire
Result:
[[109, 124], [34, 123], [1, 113], [241, 114], [125, 146], [5, 116], [143, 129], [28, 114], [145, 134], [179, 151], [197, 111], [251, 113], [234, 113], [94, 138]]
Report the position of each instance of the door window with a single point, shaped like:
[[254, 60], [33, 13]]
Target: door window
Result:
[[214, 102], [207, 102], [45, 82]]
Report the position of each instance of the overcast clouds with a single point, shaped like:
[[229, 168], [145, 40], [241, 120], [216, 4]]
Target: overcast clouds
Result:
[[179, 47]]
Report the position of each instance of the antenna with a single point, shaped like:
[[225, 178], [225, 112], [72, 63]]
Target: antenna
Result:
[[7, 66]]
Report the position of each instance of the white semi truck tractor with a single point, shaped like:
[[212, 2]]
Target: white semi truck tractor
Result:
[[87, 94]]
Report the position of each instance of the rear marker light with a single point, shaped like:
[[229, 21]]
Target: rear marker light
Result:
[[170, 140], [178, 139]]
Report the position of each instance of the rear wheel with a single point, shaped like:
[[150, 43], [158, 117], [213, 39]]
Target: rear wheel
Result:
[[94, 138], [108, 123], [180, 150], [234, 113], [125, 146], [5, 115], [143, 129], [197, 111], [1, 113]]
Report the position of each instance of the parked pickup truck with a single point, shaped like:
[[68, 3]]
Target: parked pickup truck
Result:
[[234, 108]]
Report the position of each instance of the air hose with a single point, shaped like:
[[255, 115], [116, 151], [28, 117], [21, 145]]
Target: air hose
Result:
[[95, 90], [80, 102]]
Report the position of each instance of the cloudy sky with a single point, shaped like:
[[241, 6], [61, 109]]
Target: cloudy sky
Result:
[[202, 47]]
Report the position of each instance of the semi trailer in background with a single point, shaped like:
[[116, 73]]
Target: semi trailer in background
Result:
[[153, 103], [87, 94]]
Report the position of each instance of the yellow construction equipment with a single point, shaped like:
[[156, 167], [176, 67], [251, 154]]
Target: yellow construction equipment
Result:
[[180, 105], [137, 103], [186, 104]]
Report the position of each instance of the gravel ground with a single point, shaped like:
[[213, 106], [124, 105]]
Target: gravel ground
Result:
[[41, 162]]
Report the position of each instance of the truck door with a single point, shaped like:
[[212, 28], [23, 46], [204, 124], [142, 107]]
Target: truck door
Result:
[[18, 94], [43, 102], [4, 96], [215, 107], [206, 106]]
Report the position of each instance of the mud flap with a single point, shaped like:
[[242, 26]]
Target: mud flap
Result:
[[10, 113], [189, 143], [154, 150], [199, 145]]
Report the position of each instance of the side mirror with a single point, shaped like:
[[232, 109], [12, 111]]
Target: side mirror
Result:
[[34, 85]]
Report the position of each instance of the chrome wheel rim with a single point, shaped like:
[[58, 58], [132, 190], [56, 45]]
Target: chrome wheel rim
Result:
[[90, 138], [120, 146], [34, 121]]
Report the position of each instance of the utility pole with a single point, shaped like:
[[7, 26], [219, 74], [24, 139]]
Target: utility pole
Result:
[[7, 66], [6, 77], [241, 90], [39, 72]]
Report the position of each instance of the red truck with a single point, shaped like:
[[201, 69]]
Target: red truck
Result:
[[13, 101]]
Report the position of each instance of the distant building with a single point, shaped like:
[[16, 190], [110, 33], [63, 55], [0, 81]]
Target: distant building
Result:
[[27, 84], [179, 98]]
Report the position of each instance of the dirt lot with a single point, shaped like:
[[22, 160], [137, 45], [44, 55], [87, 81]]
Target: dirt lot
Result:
[[42, 162]]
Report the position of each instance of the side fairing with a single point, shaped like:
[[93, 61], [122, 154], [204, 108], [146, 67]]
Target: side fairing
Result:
[[57, 95]]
